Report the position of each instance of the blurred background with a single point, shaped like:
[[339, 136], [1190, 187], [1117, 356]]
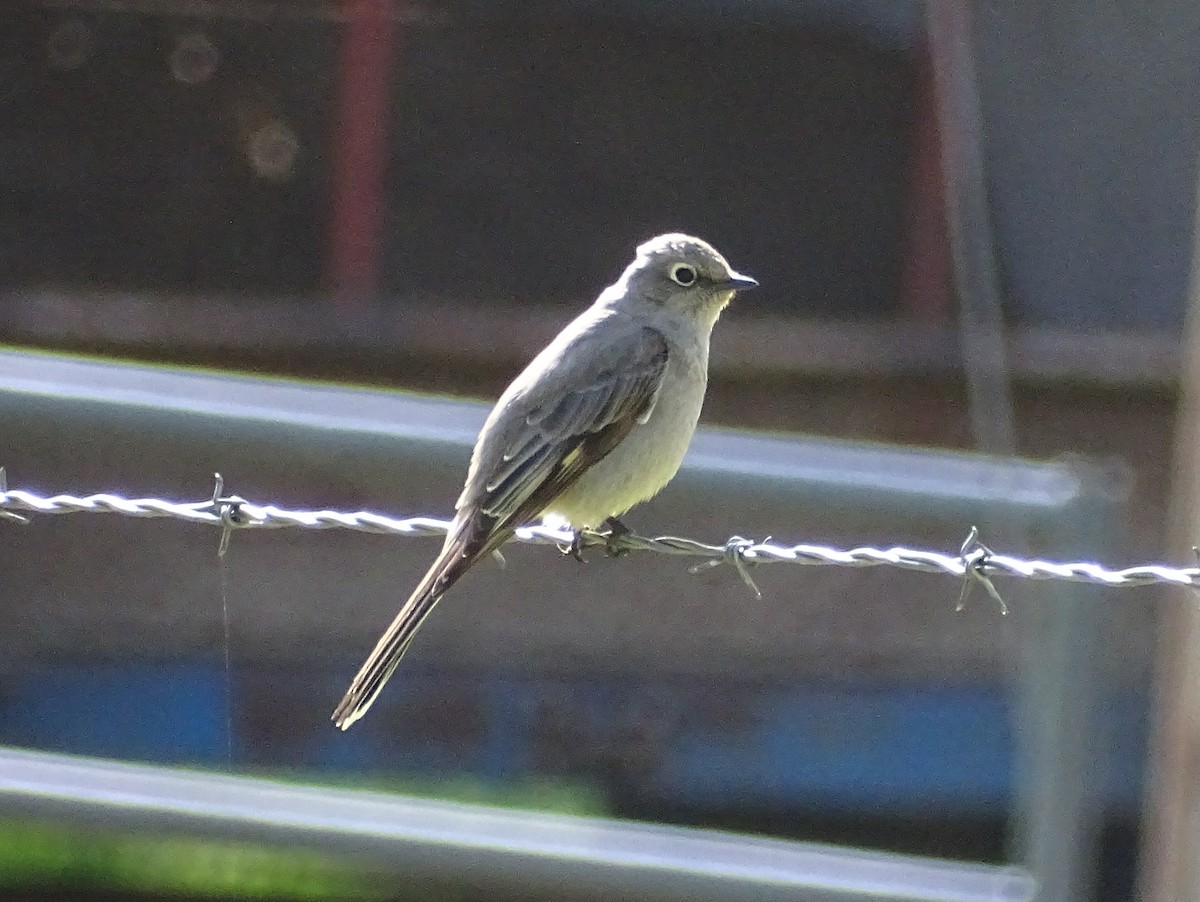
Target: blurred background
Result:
[[973, 228]]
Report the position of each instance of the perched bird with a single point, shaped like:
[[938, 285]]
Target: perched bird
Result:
[[596, 423]]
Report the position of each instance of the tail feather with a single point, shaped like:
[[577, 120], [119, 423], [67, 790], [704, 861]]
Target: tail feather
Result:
[[466, 544]]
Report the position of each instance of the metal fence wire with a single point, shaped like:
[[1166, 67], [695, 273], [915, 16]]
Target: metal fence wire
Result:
[[974, 562]]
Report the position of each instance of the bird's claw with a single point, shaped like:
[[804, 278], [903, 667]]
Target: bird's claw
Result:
[[611, 530], [575, 548], [615, 531]]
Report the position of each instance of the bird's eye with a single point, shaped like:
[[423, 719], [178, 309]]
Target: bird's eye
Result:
[[683, 274]]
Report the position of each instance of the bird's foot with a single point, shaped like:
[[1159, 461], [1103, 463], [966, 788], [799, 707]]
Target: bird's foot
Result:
[[615, 530], [611, 530], [575, 548]]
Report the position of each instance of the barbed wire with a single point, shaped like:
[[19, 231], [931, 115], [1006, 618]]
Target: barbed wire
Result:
[[974, 558], [974, 563]]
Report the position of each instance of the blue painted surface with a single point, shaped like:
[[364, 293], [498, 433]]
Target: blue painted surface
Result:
[[933, 749], [169, 714], [846, 748]]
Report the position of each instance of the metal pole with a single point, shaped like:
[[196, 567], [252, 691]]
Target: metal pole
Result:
[[1057, 816], [1171, 849], [507, 853]]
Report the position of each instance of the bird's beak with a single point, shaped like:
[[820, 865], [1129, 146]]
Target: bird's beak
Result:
[[737, 282]]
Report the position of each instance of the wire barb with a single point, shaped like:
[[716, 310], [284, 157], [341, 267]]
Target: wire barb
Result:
[[975, 556], [974, 561], [738, 554], [229, 512]]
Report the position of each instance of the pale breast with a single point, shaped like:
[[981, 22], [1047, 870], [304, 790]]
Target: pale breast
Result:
[[648, 457]]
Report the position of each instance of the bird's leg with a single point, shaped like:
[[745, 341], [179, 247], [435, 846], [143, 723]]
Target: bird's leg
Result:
[[615, 530], [575, 548]]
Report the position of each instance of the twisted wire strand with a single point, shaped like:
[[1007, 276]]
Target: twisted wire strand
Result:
[[974, 561]]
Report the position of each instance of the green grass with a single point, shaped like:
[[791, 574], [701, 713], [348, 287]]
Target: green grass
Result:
[[546, 795], [40, 853], [51, 853]]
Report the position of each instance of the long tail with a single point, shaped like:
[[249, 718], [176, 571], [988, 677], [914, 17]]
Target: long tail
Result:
[[468, 541]]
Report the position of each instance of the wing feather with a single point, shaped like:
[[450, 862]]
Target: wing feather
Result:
[[557, 438]]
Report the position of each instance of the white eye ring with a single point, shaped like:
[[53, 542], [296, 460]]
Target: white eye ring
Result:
[[683, 274]]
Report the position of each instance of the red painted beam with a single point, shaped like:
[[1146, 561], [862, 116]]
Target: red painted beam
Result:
[[360, 153]]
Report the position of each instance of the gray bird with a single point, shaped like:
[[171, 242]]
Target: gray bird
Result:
[[598, 422]]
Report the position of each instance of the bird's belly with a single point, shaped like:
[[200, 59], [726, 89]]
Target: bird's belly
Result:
[[640, 465]]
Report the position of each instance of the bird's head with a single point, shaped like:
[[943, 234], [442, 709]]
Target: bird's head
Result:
[[683, 274]]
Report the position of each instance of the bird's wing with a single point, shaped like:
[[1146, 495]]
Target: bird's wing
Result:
[[555, 439]]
